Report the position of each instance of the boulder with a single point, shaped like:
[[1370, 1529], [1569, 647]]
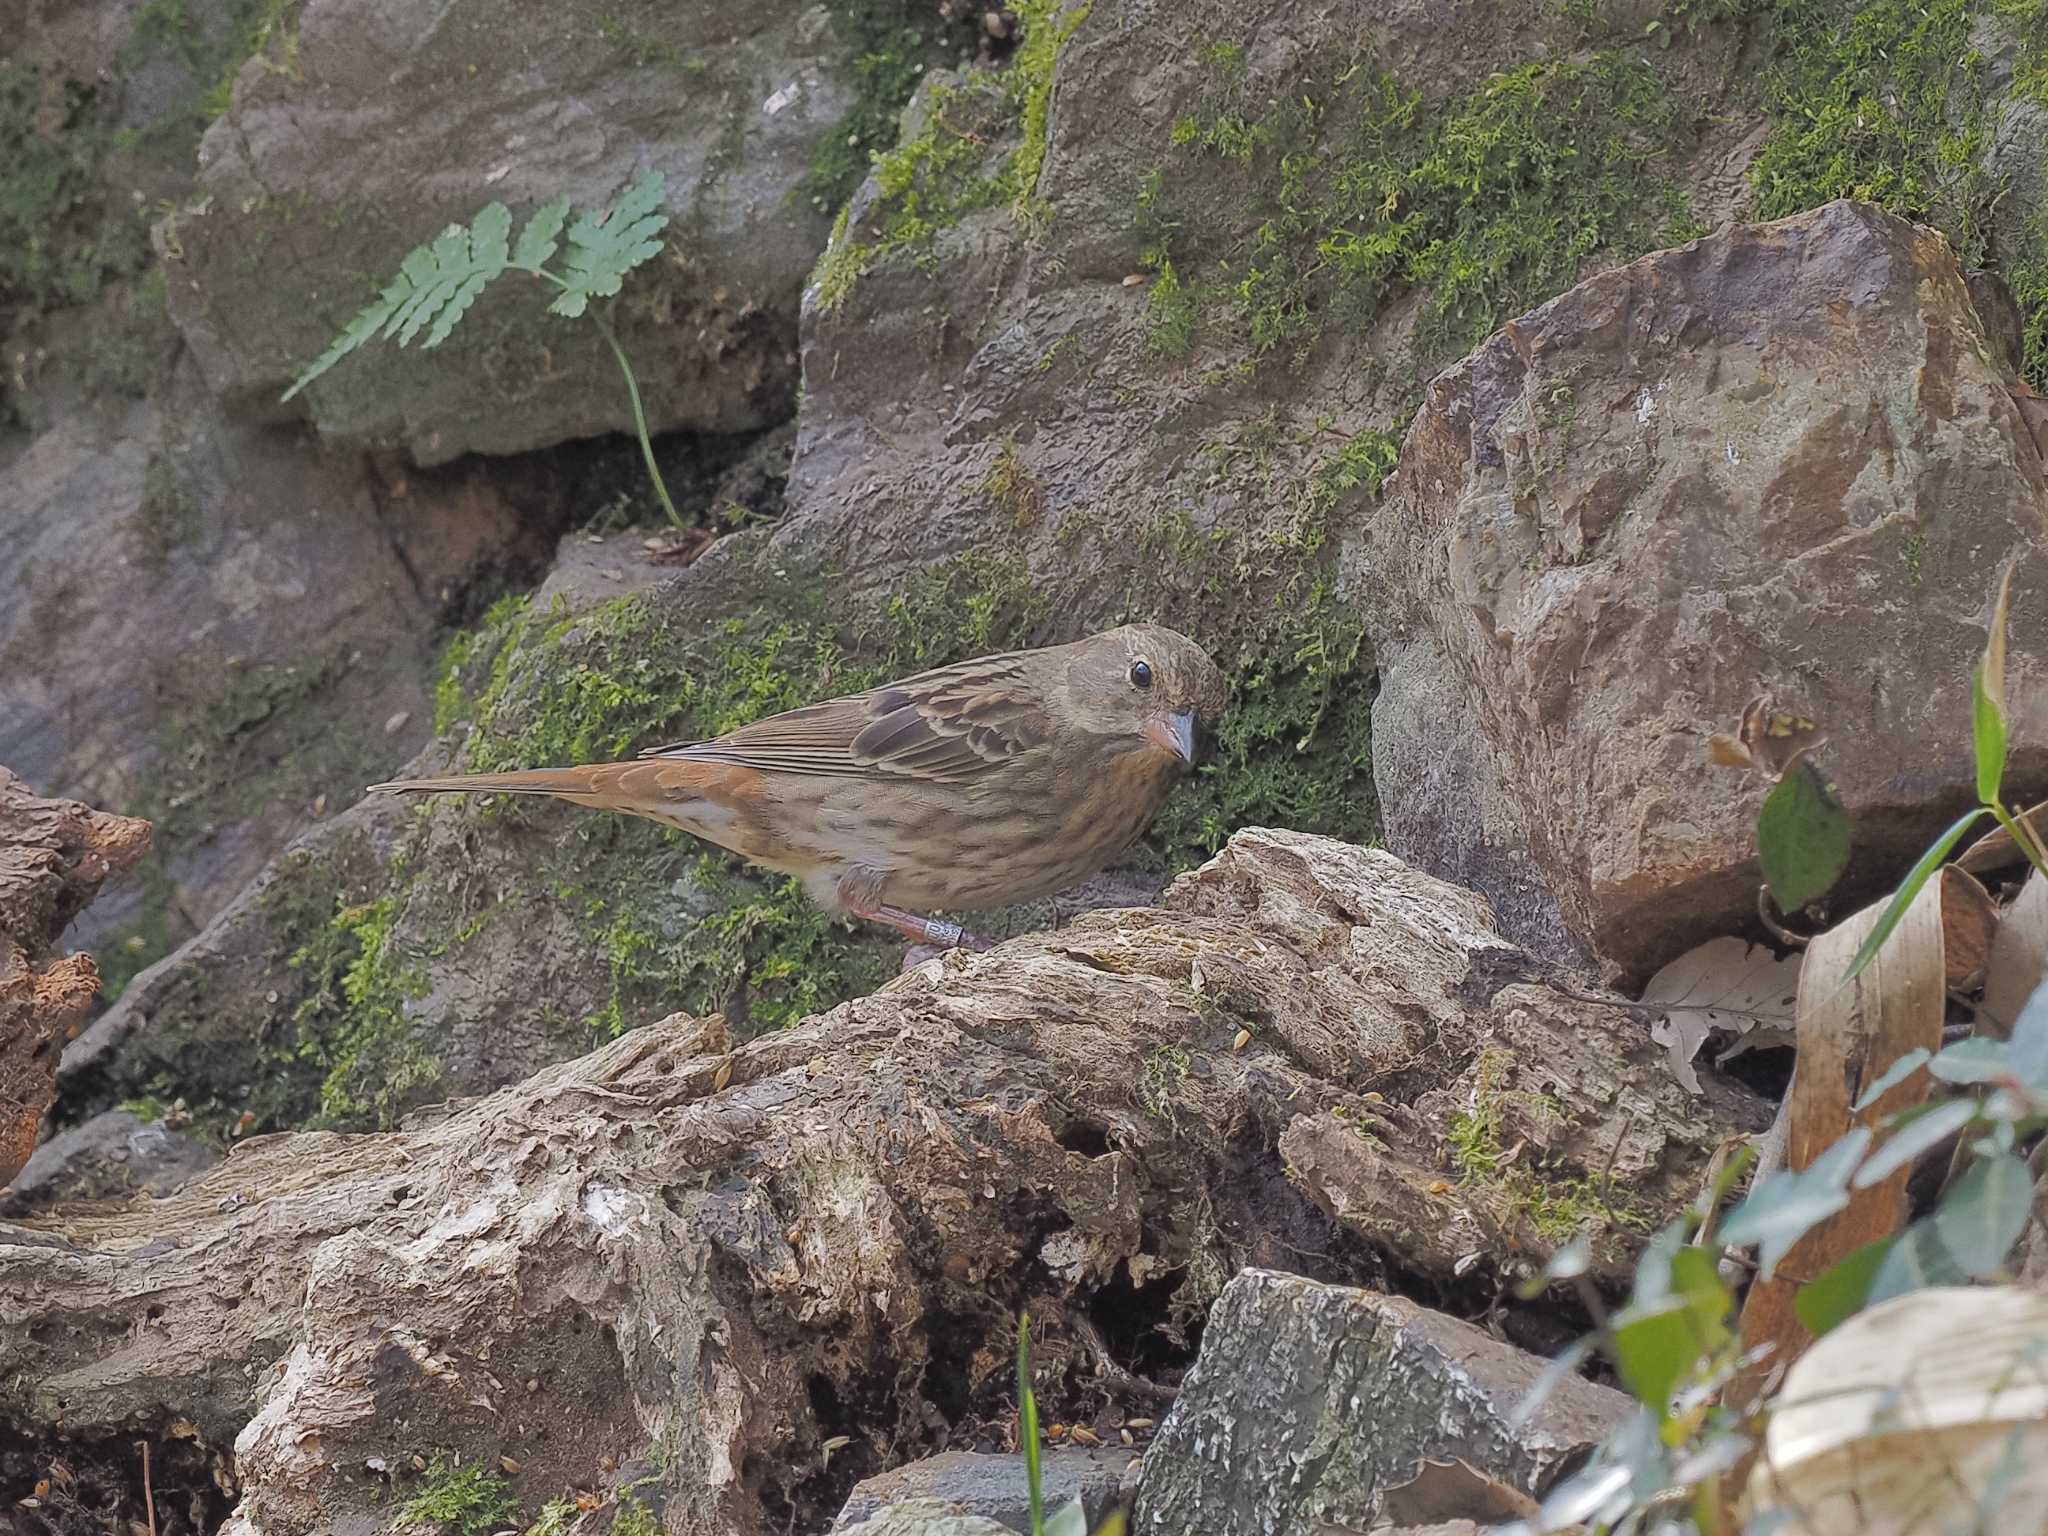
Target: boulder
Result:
[[1780, 460], [993, 1487], [364, 129], [110, 1155], [731, 1249], [1310, 1403], [305, 592]]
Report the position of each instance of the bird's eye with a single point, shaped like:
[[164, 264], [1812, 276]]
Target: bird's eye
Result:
[[1141, 674]]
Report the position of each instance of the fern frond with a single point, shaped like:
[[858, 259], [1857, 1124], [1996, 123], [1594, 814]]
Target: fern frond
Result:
[[539, 240], [604, 248], [435, 285]]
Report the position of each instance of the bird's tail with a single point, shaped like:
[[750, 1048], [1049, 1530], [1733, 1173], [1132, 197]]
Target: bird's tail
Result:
[[618, 786]]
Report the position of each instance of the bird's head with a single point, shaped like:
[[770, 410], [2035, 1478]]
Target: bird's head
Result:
[[1146, 682]]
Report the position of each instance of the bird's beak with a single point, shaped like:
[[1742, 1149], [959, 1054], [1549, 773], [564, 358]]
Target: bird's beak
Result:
[[1173, 733]]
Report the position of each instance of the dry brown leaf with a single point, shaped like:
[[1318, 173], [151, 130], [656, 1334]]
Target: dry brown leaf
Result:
[[1996, 850], [1969, 923], [1454, 1490], [1918, 1415], [1849, 1033], [2019, 956], [1723, 984], [1766, 740]]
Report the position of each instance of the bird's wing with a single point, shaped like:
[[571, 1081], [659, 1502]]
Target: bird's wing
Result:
[[946, 726]]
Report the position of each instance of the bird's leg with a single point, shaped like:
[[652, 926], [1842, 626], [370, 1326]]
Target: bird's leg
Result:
[[859, 892], [927, 930]]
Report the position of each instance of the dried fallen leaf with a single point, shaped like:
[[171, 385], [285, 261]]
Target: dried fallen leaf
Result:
[[1442, 1491], [721, 1077], [1724, 984], [2019, 955], [1923, 1392], [1244, 1038], [1969, 926], [1081, 1434]]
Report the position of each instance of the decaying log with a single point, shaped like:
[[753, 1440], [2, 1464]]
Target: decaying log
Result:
[[54, 855], [738, 1255]]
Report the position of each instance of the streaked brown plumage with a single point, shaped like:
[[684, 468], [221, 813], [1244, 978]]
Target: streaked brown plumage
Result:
[[994, 781]]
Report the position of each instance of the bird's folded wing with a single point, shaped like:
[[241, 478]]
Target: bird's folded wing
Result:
[[945, 726]]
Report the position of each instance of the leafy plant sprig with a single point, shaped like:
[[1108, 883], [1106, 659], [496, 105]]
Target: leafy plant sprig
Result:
[[1071, 1519], [437, 283]]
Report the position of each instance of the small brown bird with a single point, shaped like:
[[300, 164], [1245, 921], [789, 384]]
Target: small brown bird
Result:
[[994, 781]]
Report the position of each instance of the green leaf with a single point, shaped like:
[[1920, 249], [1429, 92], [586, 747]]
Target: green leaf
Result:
[[1988, 700], [1070, 1520], [1802, 837], [605, 247], [1837, 1292], [1785, 1208], [1656, 1349], [540, 239], [1027, 1425], [435, 286], [1660, 1339], [1892, 1076], [363, 328], [2027, 1050], [1975, 1060], [1987, 730], [1902, 898], [1917, 1259], [1985, 1213], [1569, 1262], [1914, 1136]]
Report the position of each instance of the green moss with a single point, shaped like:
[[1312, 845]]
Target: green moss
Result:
[[1011, 487], [556, 1517], [634, 1518], [1881, 102], [1352, 189], [950, 165], [458, 1498], [351, 1024], [147, 1109], [61, 233], [892, 44], [1558, 1206], [645, 48], [1164, 1076], [1887, 102]]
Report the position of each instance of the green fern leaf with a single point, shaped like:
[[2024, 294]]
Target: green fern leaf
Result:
[[603, 249], [435, 285], [540, 239]]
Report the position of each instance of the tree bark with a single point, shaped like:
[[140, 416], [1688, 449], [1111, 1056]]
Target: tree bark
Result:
[[54, 855], [736, 1256]]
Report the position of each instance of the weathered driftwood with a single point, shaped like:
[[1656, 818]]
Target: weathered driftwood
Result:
[[737, 1255], [54, 855]]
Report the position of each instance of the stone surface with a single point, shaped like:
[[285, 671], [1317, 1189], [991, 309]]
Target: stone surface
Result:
[[1310, 1401], [926, 1517], [391, 121], [227, 630], [114, 1154], [1776, 460], [726, 1247], [993, 1487]]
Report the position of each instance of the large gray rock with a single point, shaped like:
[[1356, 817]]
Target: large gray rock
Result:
[[225, 630], [993, 1487], [926, 1517], [113, 1154], [388, 122], [1778, 460], [1310, 1402]]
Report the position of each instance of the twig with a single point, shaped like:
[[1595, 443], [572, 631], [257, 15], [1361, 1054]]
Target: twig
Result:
[[148, 1493], [1779, 931]]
